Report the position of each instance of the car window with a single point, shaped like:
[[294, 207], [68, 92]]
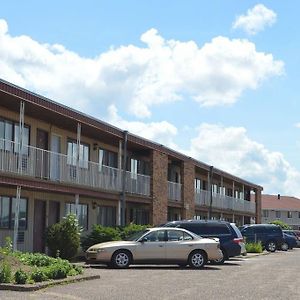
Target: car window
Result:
[[217, 229], [199, 229], [155, 236], [247, 230], [175, 235]]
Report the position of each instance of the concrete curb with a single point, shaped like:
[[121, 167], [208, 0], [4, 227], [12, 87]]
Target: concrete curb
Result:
[[45, 284], [250, 255]]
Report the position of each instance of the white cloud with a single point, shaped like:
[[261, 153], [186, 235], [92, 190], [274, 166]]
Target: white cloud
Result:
[[161, 132], [256, 19], [297, 125], [137, 78], [230, 149]]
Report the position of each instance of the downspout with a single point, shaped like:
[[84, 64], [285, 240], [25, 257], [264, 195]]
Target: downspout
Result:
[[123, 209]]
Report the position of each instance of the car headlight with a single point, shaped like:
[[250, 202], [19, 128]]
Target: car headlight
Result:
[[100, 250]]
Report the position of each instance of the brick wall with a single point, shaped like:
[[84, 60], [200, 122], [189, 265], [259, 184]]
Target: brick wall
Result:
[[188, 191], [159, 187]]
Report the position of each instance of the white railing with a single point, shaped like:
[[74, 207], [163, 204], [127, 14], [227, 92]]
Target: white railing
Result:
[[43, 164], [174, 191], [223, 202]]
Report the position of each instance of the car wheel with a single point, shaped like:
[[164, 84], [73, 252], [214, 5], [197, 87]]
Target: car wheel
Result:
[[197, 259], [121, 259], [271, 246], [219, 261], [284, 246]]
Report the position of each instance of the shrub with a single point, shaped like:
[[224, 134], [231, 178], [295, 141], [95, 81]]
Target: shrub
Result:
[[5, 273], [64, 237], [254, 247], [131, 229], [35, 259], [56, 271], [20, 277], [100, 234], [38, 275], [283, 225]]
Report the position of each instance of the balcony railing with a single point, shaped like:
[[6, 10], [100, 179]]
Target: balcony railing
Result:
[[174, 191], [43, 164], [223, 202]]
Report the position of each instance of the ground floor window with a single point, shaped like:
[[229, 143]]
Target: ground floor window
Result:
[[106, 216], [82, 213], [139, 216], [7, 212]]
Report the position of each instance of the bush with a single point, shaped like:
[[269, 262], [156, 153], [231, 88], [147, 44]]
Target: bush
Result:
[[131, 229], [35, 259], [100, 234], [64, 237], [38, 275], [56, 271], [5, 273], [20, 277], [283, 225], [254, 247]]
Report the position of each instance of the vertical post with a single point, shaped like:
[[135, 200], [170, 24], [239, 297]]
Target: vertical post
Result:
[[16, 225], [123, 209], [119, 215], [78, 152], [211, 170], [76, 205]]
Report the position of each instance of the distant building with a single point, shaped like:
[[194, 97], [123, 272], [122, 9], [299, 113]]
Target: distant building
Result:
[[283, 208]]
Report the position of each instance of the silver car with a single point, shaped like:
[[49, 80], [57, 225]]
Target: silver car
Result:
[[158, 245]]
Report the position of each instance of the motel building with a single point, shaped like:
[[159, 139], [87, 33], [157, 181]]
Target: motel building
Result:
[[55, 160]]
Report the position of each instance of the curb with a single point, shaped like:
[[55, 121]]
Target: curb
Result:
[[254, 255], [42, 285]]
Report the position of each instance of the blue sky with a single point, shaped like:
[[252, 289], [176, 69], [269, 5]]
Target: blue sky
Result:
[[216, 80]]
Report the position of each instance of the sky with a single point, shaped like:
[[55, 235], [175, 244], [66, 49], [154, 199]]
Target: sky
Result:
[[216, 80]]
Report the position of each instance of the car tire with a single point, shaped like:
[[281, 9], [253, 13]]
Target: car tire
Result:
[[197, 259], [219, 261], [284, 246], [271, 246], [121, 259]]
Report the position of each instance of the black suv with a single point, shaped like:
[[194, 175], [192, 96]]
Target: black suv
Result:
[[231, 240], [270, 235]]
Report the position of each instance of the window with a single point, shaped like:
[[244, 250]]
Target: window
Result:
[[73, 156], [289, 214], [82, 213], [7, 213], [139, 216], [278, 214], [229, 192], [108, 158], [214, 188], [265, 213], [155, 236], [175, 236], [133, 168], [106, 215], [197, 184], [299, 214]]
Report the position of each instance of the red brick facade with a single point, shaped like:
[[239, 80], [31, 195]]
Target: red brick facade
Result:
[[188, 191]]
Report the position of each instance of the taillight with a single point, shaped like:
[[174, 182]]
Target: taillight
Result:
[[238, 240]]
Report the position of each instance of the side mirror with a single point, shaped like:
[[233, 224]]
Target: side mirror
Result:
[[143, 240]]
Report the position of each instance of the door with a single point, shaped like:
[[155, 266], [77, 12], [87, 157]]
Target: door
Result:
[[39, 226], [53, 213], [55, 158], [42, 157]]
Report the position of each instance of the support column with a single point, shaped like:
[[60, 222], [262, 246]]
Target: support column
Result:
[[257, 206], [188, 189], [159, 187], [119, 208]]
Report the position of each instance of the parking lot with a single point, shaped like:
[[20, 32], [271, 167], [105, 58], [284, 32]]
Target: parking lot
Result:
[[271, 276]]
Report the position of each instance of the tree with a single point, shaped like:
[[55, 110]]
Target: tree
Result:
[[283, 225]]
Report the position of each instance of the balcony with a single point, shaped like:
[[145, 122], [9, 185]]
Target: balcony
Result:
[[223, 202], [57, 167], [174, 191]]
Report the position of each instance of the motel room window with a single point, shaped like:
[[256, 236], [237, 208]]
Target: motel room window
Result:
[[133, 168], [106, 215], [82, 213], [197, 184], [278, 214], [107, 158], [265, 213], [72, 154], [289, 214], [7, 213], [139, 216], [299, 214]]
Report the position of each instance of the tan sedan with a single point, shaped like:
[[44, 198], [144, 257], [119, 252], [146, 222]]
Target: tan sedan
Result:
[[157, 246]]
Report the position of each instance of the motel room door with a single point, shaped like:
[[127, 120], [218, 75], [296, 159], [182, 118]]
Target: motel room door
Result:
[[39, 226], [42, 157]]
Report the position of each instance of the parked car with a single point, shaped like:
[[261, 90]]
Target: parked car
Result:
[[270, 235], [290, 242], [231, 239], [295, 234], [157, 246]]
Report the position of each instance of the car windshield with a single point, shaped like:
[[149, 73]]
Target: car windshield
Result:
[[137, 235]]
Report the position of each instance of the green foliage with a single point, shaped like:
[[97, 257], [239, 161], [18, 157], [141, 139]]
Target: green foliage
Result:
[[78, 269], [5, 272], [64, 237], [283, 225], [254, 247], [21, 277], [57, 271], [131, 229], [100, 234], [38, 275], [35, 259]]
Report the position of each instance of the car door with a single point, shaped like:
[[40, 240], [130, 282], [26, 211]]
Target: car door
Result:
[[178, 245], [152, 248]]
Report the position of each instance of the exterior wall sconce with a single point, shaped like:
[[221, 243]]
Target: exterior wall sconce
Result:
[[95, 146]]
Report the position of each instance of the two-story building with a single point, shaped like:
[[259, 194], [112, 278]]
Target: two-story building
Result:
[[55, 160], [282, 208]]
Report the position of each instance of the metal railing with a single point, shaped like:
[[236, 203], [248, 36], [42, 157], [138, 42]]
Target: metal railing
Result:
[[44, 164], [174, 191], [202, 197]]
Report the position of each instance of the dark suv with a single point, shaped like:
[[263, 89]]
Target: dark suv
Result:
[[231, 240], [270, 235]]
